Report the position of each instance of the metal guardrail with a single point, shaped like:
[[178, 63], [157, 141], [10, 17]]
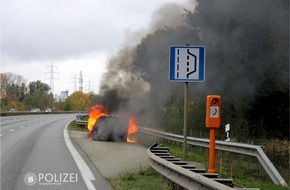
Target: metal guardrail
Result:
[[240, 148], [81, 122], [82, 118], [182, 174], [18, 113]]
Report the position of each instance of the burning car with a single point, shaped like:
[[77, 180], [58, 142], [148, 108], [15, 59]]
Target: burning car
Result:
[[105, 127], [110, 128]]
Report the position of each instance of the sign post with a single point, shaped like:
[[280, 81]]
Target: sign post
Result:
[[185, 122], [186, 64]]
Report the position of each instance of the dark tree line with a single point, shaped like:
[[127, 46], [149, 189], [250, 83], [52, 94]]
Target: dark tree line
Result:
[[248, 49], [15, 94], [19, 96]]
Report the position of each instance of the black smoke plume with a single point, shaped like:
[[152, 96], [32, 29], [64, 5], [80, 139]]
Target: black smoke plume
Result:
[[247, 58]]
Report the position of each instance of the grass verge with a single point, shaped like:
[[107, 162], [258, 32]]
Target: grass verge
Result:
[[146, 179], [74, 127], [242, 174], [243, 170]]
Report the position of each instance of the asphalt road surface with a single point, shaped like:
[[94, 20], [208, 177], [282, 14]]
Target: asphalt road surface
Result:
[[35, 155], [112, 158]]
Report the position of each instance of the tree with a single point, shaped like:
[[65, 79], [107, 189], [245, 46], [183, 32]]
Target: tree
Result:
[[38, 96], [12, 84], [38, 87], [12, 89], [78, 101], [248, 62]]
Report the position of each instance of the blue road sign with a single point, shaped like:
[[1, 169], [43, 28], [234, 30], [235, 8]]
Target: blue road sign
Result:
[[186, 63]]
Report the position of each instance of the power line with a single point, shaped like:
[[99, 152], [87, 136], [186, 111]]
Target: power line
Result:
[[89, 86], [74, 83], [51, 76], [81, 82]]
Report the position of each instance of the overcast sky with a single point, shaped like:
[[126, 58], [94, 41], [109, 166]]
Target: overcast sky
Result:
[[73, 35]]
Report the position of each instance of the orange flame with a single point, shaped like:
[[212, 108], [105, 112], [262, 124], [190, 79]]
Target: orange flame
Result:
[[96, 112], [133, 128]]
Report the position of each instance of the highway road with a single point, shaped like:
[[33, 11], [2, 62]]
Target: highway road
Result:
[[35, 154]]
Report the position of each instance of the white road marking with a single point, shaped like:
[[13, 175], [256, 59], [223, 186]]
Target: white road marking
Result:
[[21, 127], [11, 130], [87, 174], [0, 135]]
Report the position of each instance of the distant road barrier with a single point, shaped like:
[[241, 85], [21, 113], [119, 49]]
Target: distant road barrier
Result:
[[81, 122], [240, 148], [34, 113], [82, 118]]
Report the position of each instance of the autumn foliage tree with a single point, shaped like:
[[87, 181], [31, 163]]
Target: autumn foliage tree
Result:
[[78, 101], [12, 90], [16, 94]]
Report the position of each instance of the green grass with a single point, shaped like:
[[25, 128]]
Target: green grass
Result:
[[74, 127], [146, 179], [243, 174], [243, 170], [258, 183]]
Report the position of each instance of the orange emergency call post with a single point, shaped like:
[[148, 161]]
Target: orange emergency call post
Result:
[[212, 121], [213, 109]]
